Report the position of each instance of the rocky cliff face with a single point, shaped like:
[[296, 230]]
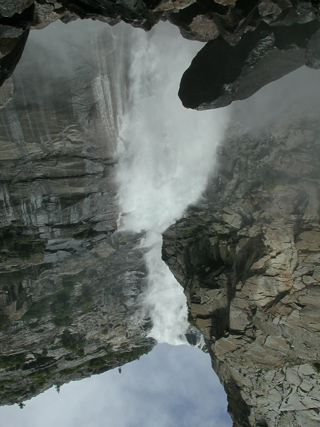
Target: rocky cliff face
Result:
[[69, 284], [248, 259], [248, 256]]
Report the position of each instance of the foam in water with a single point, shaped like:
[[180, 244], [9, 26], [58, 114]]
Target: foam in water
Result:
[[166, 156]]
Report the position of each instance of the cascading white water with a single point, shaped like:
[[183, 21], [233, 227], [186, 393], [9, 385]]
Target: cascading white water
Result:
[[166, 156]]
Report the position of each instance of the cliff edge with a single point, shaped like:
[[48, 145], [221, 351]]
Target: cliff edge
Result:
[[248, 257]]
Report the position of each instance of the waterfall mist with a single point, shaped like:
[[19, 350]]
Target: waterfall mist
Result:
[[166, 154], [292, 97]]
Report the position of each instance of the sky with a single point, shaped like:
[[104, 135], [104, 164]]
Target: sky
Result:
[[171, 386]]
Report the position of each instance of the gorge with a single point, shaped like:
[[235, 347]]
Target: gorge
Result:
[[78, 308], [75, 300]]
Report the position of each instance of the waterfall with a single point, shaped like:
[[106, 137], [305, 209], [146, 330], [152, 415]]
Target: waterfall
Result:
[[166, 154]]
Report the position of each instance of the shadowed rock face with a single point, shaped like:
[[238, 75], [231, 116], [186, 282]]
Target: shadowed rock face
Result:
[[69, 284], [221, 73], [12, 43], [248, 259]]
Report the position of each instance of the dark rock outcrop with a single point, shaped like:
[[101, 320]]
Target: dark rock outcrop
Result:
[[221, 73], [252, 42], [248, 259], [12, 43]]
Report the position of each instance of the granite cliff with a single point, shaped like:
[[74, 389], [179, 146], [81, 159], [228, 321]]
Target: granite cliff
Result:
[[248, 259], [70, 285]]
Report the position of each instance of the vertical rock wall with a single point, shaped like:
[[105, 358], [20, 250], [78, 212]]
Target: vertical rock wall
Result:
[[69, 284], [248, 259]]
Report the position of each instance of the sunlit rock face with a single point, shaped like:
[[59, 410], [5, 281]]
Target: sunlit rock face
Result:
[[248, 258], [69, 284]]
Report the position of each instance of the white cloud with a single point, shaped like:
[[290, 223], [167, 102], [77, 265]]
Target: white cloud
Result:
[[171, 386]]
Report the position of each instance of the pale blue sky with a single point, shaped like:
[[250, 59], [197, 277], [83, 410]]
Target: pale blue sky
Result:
[[171, 386]]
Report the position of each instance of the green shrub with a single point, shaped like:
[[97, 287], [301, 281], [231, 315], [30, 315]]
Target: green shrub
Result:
[[68, 285], [316, 366], [61, 309], [73, 342], [69, 282], [14, 361], [192, 320], [15, 242], [86, 300], [97, 363]]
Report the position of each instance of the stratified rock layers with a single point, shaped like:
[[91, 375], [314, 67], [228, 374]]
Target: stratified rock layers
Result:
[[249, 261], [69, 284]]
